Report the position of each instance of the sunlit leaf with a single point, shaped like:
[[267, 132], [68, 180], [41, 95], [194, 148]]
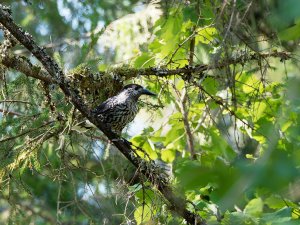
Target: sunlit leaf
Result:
[[275, 202], [168, 155], [142, 214], [206, 35], [258, 109], [254, 207], [145, 60]]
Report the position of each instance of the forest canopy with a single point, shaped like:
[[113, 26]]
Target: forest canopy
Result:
[[219, 144]]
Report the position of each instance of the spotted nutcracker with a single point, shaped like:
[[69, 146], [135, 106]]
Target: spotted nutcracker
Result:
[[117, 111]]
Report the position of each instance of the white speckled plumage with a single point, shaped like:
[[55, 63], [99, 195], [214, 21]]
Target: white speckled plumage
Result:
[[121, 109]]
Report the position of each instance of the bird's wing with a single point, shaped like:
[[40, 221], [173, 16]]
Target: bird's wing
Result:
[[104, 106]]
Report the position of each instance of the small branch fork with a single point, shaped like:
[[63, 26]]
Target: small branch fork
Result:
[[177, 204]]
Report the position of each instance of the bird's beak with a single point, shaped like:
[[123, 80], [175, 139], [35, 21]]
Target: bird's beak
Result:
[[147, 92]]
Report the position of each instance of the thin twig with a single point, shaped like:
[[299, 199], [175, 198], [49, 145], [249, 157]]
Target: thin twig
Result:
[[11, 113], [15, 101], [24, 133]]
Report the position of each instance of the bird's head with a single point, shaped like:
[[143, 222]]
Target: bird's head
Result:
[[135, 91]]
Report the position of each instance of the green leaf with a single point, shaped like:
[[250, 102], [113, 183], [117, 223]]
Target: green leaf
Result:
[[238, 218], [259, 109], [210, 85], [143, 195], [135, 188], [168, 37], [254, 207], [190, 14], [205, 35], [149, 148], [275, 202], [264, 126], [282, 216], [286, 125], [175, 118], [291, 33], [221, 147], [145, 60], [147, 145], [191, 175], [249, 82], [142, 214], [176, 136], [168, 155]]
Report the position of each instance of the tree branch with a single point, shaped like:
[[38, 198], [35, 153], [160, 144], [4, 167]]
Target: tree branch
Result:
[[25, 132], [23, 65], [199, 69], [14, 101], [177, 204], [11, 113]]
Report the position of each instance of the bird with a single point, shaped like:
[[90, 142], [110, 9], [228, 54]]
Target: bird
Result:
[[119, 110]]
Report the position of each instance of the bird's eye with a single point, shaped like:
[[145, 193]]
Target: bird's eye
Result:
[[136, 88]]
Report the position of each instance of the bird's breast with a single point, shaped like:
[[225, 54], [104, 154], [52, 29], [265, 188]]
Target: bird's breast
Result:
[[132, 109], [119, 114]]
